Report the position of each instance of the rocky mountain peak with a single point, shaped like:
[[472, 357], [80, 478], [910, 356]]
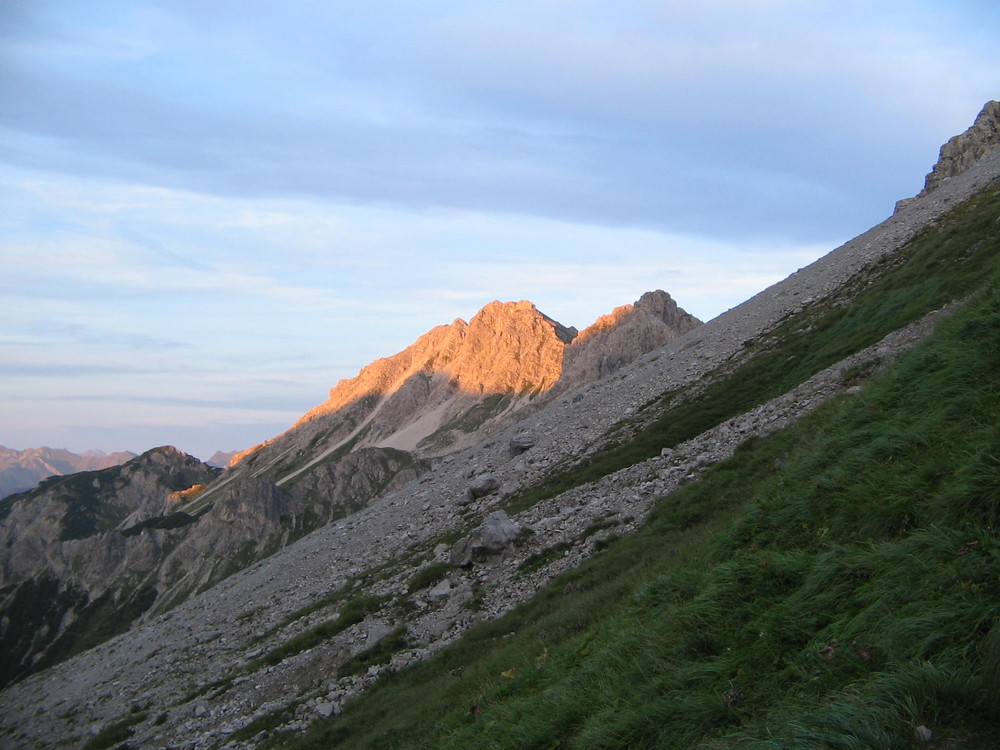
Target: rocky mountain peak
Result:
[[623, 335], [458, 380], [968, 148], [509, 347]]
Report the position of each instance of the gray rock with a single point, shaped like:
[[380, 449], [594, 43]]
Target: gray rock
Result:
[[520, 444], [440, 591], [966, 149], [486, 543], [483, 485]]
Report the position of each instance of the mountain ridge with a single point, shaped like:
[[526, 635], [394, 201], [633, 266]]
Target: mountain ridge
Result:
[[22, 470], [461, 359]]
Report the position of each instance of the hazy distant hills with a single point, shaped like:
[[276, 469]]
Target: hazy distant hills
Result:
[[221, 459], [22, 470]]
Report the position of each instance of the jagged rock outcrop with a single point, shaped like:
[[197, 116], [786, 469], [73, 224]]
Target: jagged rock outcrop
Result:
[[967, 148], [451, 379], [488, 542], [623, 336], [136, 540], [60, 550], [44, 528], [460, 381], [22, 470], [963, 151]]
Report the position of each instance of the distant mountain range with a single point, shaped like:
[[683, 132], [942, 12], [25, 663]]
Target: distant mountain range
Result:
[[22, 470]]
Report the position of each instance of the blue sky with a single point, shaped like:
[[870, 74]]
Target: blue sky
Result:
[[212, 212]]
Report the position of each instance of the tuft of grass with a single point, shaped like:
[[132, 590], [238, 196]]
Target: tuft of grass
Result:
[[428, 575], [382, 651], [266, 723], [543, 557], [115, 734], [354, 611]]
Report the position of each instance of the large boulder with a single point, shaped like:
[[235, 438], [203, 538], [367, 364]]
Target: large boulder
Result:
[[483, 485], [488, 542]]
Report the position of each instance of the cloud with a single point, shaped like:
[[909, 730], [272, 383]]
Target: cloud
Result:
[[657, 115]]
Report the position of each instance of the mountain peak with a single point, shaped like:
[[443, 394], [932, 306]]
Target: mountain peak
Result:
[[456, 380]]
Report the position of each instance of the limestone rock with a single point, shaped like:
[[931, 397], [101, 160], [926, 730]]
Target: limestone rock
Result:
[[441, 590], [520, 444], [483, 485], [968, 148], [438, 384], [462, 381], [623, 336], [325, 709], [488, 542]]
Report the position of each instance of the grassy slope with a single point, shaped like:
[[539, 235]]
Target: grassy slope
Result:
[[835, 585]]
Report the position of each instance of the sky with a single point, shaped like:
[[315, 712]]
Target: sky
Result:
[[212, 212]]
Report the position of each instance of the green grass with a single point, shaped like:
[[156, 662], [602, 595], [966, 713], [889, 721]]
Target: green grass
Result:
[[381, 652], [265, 723], [355, 610], [940, 265], [115, 734], [838, 597], [429, 575], [543, 557]]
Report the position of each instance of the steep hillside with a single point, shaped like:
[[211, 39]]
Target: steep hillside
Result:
[[83, 556], [833, 583]]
